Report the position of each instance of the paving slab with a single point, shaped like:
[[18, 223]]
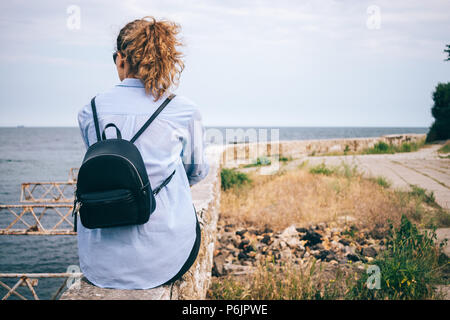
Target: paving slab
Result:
[[423, 168]]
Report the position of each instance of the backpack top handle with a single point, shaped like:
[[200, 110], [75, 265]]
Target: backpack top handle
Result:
[[119, 135]]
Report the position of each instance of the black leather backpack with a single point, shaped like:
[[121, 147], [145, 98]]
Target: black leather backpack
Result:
[[113, 188]]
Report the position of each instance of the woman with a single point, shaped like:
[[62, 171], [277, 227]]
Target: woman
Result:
[[163, 249]]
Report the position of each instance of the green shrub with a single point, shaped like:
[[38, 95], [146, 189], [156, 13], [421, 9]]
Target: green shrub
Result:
[[260, 161], [440, 129], [409, 266], [445, 148], [410, 146], [344, 170], [381, 181], [422, 195], [321, 169], [233, 179], [347, 170], [406, 147], [380, 147], [383, 147]]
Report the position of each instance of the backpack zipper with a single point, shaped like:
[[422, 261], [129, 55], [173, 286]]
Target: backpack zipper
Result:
[[108, 200]]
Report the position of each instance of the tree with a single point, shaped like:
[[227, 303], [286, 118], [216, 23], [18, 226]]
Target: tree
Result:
[[440, 129]]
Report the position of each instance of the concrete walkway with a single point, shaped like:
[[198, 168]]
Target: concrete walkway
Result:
[[423, 168]]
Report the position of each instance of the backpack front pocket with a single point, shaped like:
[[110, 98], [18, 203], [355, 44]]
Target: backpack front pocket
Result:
[[108, 208]]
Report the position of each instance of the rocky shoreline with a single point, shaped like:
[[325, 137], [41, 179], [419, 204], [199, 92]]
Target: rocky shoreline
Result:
[[240, 250]]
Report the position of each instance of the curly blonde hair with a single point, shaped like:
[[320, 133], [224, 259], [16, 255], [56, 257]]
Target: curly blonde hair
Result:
[[150, 48]]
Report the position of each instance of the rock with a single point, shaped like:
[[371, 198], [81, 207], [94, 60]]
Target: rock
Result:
[[322, 254], [362, 241], [228, 227], [249, 248], [241, 232], [289, 232], [321, 226], [369, 252], [326, 244], [286, 254], [243, 243], [318, 246], [230, 247], [235, 240], [335, 231], [293, 243], [350, 249], [337, 245], [236, 269], [344, 241], [331, 257], [312, 237], [218, 266], [378, 233], [229, 258], [267, 230], [352, 257], [266, 239], [242, 256]]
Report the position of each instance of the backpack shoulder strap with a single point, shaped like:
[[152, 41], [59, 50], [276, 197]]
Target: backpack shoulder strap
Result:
[[154, 115], [164, 183], [94, 113]]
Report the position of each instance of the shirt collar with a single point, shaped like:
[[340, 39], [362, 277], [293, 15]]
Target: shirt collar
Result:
[[131, 82]]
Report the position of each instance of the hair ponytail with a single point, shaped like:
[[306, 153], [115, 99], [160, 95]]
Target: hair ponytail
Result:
[[150, 48]]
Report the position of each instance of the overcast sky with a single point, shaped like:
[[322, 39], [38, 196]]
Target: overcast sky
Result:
[[248, 63]]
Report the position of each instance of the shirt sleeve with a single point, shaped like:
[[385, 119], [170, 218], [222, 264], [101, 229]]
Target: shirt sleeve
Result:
[[86, 124], [193, 154]]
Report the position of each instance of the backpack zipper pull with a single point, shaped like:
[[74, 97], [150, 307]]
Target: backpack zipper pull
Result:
[[76, 209]]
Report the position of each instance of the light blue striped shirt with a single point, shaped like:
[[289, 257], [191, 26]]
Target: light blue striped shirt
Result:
[[146, 256]]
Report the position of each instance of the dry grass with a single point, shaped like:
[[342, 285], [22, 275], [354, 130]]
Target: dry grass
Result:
[[310, 281], [302, 198]]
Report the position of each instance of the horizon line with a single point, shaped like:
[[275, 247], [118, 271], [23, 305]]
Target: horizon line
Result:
[[246, 126]]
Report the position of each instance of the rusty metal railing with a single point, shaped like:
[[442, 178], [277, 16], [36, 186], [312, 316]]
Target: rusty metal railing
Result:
[[43, 192], [36, 219], [73, 174], [47, 192], [30, 280], [38, 214], [44, 209]]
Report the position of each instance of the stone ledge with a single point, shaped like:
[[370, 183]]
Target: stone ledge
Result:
[[195, 283]]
